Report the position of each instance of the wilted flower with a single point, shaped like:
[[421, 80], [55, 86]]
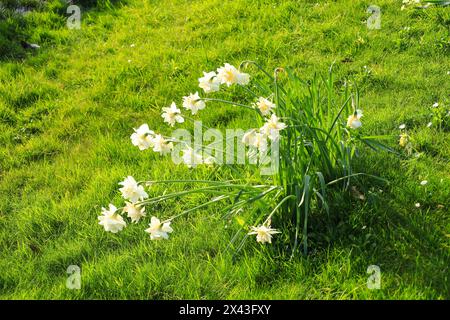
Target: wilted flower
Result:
[[131, 190], [265, 106], [172, 115], [229, 75], [263, 233], [354, 121], [158, 230], [142, 137], [272, 127], [209, 82], [191, 158], [404, 139], [161, 145], [111, 220], [193, 102], [134, 211]]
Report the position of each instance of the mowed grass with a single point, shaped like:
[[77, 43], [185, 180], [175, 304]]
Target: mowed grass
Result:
[[67, 111]]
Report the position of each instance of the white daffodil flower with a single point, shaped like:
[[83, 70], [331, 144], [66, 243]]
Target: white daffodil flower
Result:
[[111, 220], [172, 115], [263, 233], [142, 137], [273, 127], [229, 75], [131, 190], [158, 230], [134, 211], [193, 102], [209, 82], [161, 145], [354, 121], [191, 158], [265, 106]]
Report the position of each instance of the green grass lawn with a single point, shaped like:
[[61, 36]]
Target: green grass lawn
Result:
[[68, 109]]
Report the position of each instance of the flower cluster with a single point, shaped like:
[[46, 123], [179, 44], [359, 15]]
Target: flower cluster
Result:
[[134, 194], [144, 138]]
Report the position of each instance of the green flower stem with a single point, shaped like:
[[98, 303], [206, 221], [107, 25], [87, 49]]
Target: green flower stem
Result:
[[233, 103], [279, 205]]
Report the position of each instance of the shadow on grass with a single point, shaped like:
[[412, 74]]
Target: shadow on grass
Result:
[[386, 229], [16, 28]]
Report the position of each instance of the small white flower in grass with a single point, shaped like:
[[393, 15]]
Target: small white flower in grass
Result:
[[424, 182], [263, 233], [142, 137], [354, 121], [134, 211], [265, 106], [229, 75], [273, 127], [131, 190], [435, 105], [193, 102], [402, 126], [417, 205], [191, 158], [161, 145], [429, 124], [111, 220], [158, 230], [209, 82], [172, 115]]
